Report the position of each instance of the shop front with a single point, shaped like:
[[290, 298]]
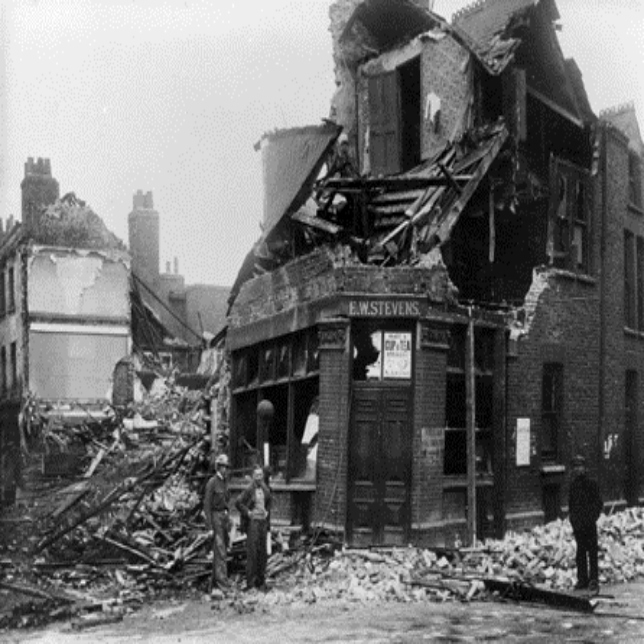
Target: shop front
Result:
[[367, 392]]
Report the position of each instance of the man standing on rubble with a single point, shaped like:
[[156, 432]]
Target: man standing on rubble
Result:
[[216, 500], [584, 506], [254, 505]]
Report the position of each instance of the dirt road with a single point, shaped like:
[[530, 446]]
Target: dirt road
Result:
[[201, 620]]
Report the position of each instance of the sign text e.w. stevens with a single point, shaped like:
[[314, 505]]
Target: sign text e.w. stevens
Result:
[[384, 308]]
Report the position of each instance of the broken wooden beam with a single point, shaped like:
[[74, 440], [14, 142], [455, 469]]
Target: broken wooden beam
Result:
[[525, 592]]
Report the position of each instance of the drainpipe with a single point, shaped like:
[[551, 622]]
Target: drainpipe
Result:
[[602, 305], [470, 406]]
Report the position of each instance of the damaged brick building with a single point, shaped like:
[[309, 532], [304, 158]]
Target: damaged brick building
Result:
[[471, 271], [64, 316]]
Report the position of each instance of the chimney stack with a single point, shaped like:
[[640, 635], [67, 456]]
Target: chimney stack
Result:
[[143, 226], [39, 189]]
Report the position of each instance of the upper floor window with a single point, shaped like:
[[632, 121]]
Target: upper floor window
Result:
[[11, 295], [551, 409], [3, 297], [571, 230], [13, 363], [3, 369], [634, 179], [633, 281], [630, 291]]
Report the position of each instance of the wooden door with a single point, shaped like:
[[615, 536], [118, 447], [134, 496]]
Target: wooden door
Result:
[[379, 465], [384, 124]]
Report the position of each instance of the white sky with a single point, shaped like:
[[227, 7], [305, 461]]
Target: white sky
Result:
[[170, 96]]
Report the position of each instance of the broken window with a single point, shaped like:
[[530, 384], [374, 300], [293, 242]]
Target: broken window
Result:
[[634, 180], [381, 354], [286, 373], [11, 304], [630, 297], [455, 456], [571, 234], [551, 409]]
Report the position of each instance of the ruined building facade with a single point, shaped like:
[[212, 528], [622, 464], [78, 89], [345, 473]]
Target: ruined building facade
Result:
[[64, 318], [185, 310], [469, 264]]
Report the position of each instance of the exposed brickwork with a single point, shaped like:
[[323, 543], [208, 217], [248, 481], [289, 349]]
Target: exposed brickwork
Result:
[[428, 440], [330, 499], [325, 272]]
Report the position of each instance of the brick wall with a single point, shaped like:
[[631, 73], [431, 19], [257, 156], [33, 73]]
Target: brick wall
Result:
[[330, 506], [325, 272], [428, 439], [445, 72]]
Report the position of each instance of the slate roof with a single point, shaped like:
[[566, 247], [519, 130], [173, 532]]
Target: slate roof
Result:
[[623, 117]]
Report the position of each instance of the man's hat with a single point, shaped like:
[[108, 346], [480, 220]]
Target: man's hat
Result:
[[222, 459], [579, 460]]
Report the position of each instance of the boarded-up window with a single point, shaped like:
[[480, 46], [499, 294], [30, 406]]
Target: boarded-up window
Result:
[[384, 120]]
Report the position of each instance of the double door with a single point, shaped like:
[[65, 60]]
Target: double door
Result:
[[380, 461]]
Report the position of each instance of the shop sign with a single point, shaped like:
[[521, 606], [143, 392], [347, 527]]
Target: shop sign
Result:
[[372, 308]]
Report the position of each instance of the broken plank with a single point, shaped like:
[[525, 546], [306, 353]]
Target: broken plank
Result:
[[525, 592]]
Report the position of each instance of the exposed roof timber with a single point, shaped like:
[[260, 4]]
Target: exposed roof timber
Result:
[[442, 226], [292, 160], [554, 107], [316, 222], [396, 183]]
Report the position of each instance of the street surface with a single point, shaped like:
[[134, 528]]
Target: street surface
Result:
[[619, 620]]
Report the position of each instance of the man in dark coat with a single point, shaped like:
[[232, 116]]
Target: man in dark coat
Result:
[[584, 506], [215, 505], [254, 505]]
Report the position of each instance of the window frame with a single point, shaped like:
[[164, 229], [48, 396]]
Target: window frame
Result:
[[552, 409], [571, 217], [285, 371]]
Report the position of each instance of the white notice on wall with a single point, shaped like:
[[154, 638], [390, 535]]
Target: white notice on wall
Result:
[[397, 355], [523, 441]]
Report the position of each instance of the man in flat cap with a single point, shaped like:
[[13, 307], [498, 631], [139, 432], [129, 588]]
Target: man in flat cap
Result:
[[584, 507], [215, 506]]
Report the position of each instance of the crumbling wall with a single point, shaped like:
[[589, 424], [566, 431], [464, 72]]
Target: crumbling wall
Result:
[[446, 90], [81, 283], [79, 328], [345, 57], [327, 271], [558, 323]]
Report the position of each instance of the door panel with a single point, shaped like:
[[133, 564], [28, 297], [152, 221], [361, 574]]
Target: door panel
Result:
[[379, 466], [384, 118]]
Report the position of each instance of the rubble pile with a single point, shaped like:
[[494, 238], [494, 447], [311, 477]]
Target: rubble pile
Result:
[[543, 557], [546, 555], [130, 521]]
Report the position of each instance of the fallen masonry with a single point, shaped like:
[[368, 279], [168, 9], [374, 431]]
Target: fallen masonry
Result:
[[129, 528]]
